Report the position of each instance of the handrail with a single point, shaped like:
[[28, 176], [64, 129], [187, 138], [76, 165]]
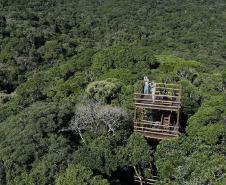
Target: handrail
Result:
[[165, 88], [152, 123], [158, 105], [165, 84], [150, 130], [159, 131], [159, 92], [159, 95], [164, 127], [168, 84], [149, 122], [163, 101]]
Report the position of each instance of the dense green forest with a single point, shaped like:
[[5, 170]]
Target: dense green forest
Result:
[[68, 71]]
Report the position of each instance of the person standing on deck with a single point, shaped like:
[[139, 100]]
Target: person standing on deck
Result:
[[153, 89], [146, 85]]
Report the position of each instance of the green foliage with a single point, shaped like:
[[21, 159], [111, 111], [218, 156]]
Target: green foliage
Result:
[[173, 68], [104, 90], [51, 51], [139, 60], [138, 149], [29, 139], [107, 154], [191, 97], [79, 175], [210, 84], [99, 154], [188, 161], [123, 74], [209, 122]]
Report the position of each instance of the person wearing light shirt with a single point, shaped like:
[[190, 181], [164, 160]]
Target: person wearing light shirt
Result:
[[146, 85]]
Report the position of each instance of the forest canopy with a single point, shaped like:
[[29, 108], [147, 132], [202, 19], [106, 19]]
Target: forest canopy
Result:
[[68, 71]]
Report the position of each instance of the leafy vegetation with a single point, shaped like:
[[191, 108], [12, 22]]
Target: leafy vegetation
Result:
[[68, 70]]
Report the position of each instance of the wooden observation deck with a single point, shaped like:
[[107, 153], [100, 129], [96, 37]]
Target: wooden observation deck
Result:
[[157, 115]]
